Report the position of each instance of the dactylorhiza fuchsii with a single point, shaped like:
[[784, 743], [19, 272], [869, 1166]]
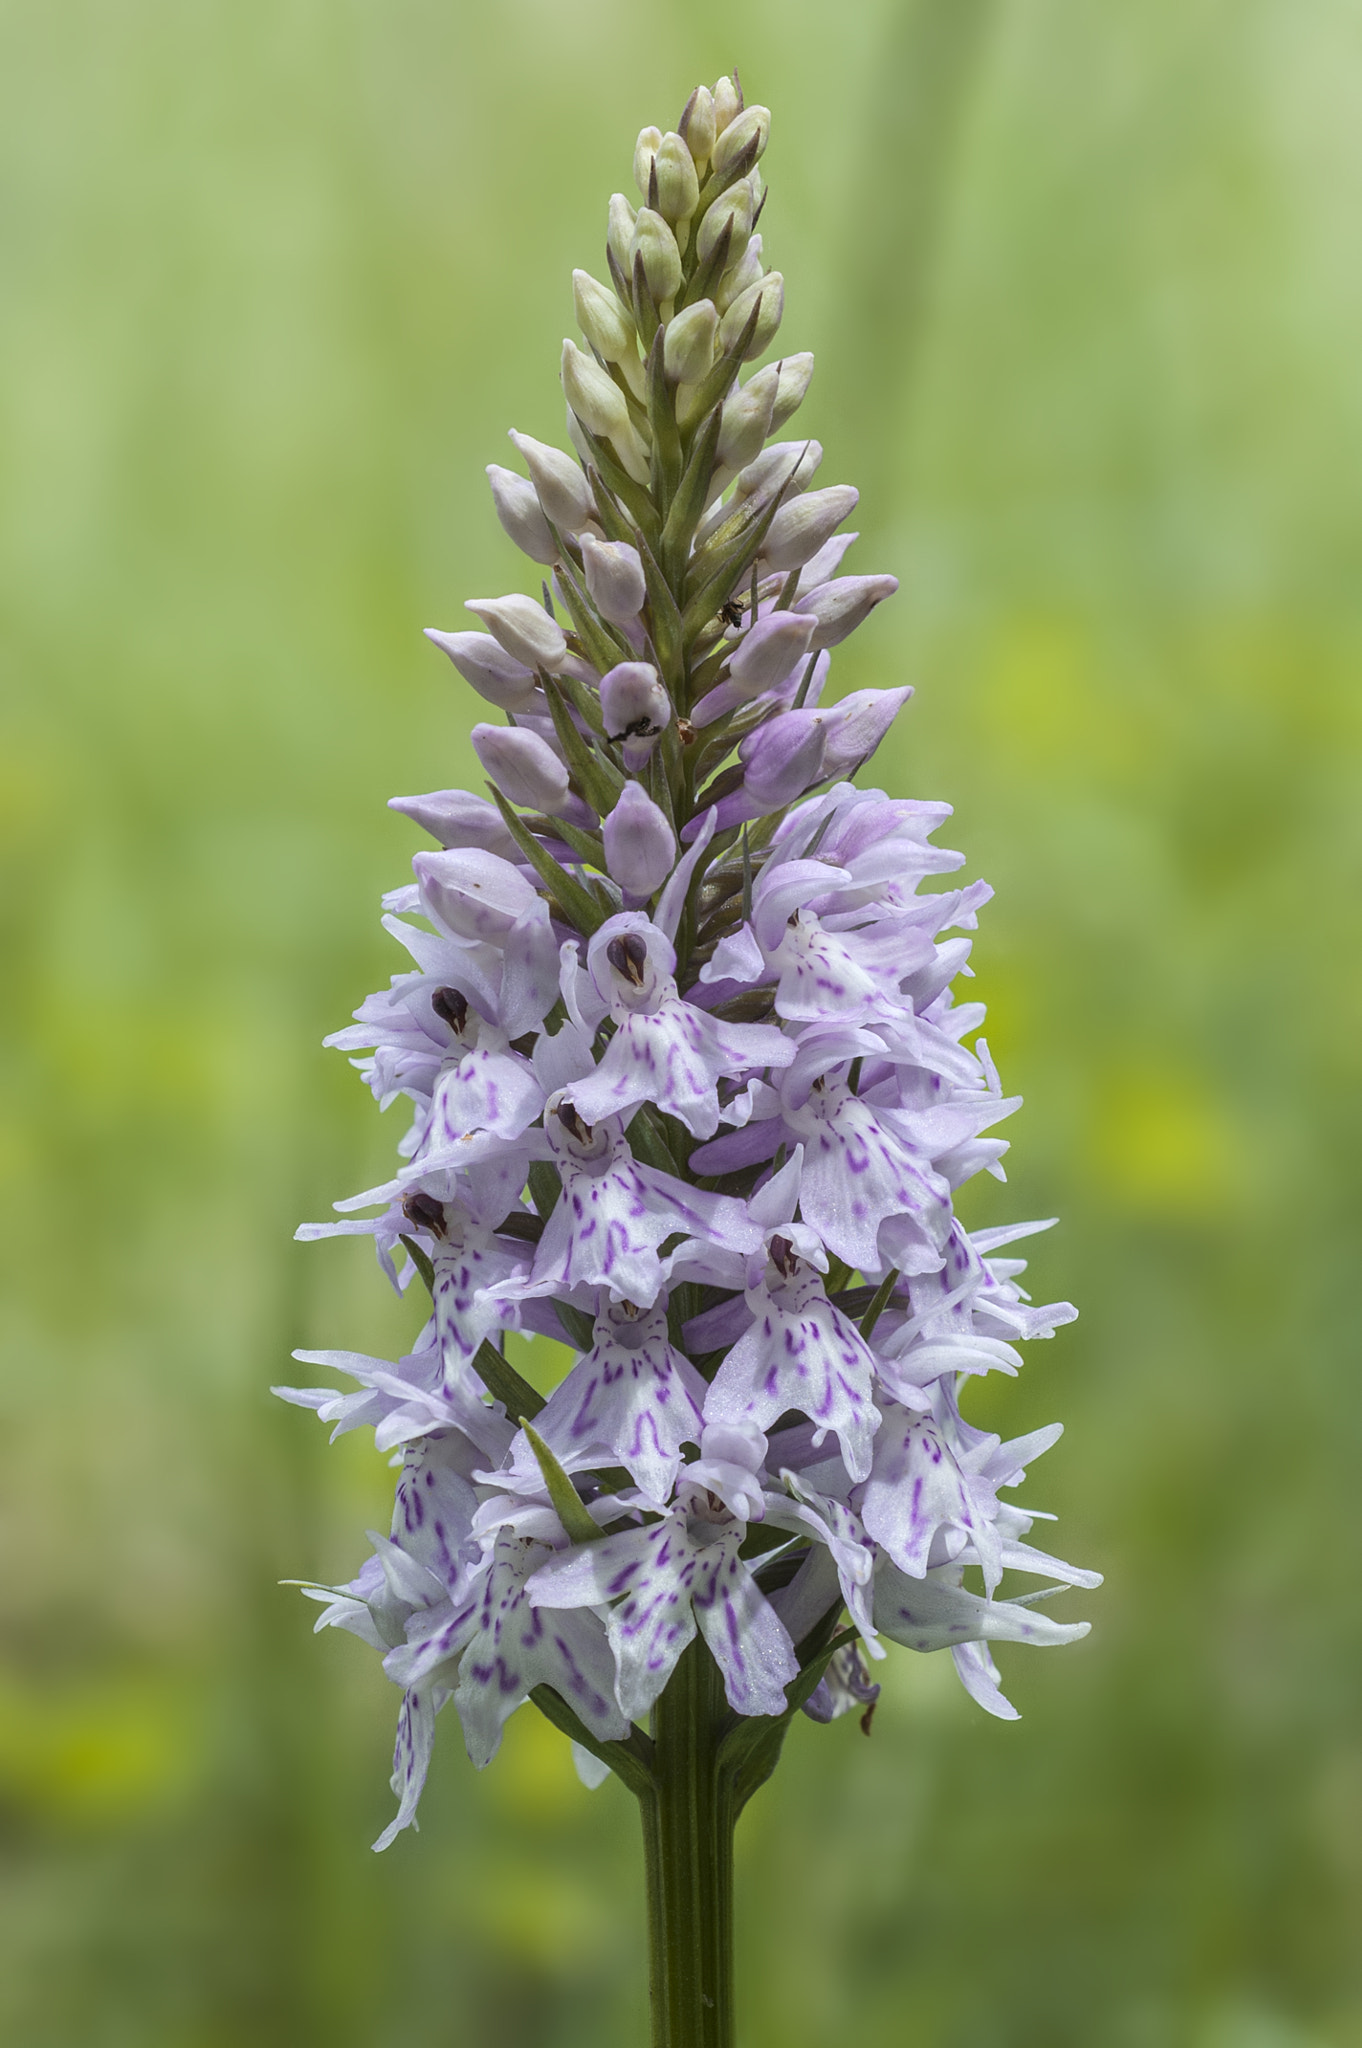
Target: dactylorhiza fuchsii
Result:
[[691, 1092]]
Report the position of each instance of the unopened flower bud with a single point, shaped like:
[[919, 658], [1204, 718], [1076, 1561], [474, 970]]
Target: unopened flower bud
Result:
[[523, 628], [842, 605], [734, 205], [678, 188], [697, 124], [789, 380], [458, 818], [493, 673], [563, 491], [645, 149], [520, 513], [727, 105], [738, 276], [614, 577], [619, 231], [640, 846], [857, 725], [473, 894], [768, 651], [783, 757], [752, 125], [602, 319], [768, 299], [688, 347], [799, 529], [634, 701], [600, 406], [789, 466], [656, 244], [743, 427], [524, 767]]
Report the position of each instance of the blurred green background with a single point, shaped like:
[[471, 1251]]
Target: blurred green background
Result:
[[1085, 291]]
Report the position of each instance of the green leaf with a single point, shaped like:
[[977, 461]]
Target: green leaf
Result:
[[688, 506], [504, 1383], [421, 1263], [578, 906], [632, 496], [602, 646], [584, 699], [567, 1502], [751, 1750], [545, 1186], [614, 521], [725, 576], [599, 782], [577, 1325], [879, 1301], [702, 280], [715, 387], [666, 455], [586, 845], [630, 1760]]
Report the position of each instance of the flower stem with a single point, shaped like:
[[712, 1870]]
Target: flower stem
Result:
[[688, 1821]]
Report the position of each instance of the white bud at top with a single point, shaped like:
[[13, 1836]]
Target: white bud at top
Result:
[[602, 318], [524, 768], [727, 105], [563, 491], [614, 577], [789, 379], [523, 628], [493, 673], [599, 404], [738, 276], [645, 149], [656, 244], [743, 426], [688, 346], [640, 846], [735, 205], [519, 511], [634, 701], [767, 298], [619, 231], [768, 651], [697, 124], [789, 463], [752, 125], [799, 529], [678, 188]]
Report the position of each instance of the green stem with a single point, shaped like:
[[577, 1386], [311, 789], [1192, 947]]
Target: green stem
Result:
[[688, 1821]]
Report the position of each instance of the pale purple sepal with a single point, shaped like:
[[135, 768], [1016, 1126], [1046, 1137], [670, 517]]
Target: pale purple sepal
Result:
[[640, 846], [841, 605], [697, 834], [937, 1613], [458, 818]]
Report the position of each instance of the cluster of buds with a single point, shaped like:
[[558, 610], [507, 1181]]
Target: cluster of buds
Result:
[[691, 1091]]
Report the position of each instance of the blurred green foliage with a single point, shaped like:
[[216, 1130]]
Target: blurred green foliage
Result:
[[1084, 288]]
